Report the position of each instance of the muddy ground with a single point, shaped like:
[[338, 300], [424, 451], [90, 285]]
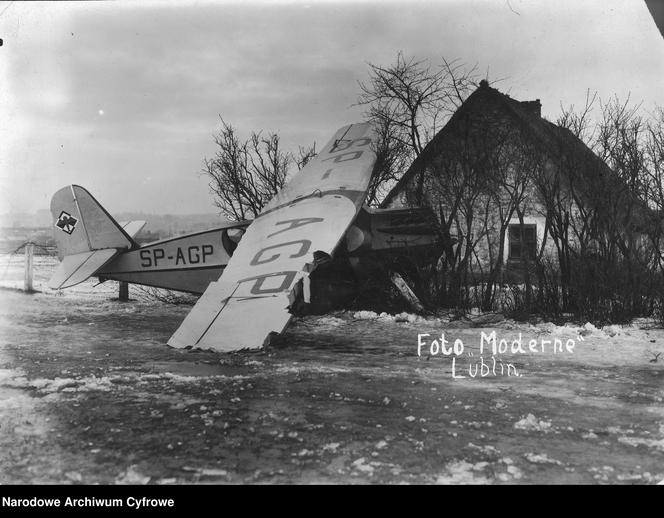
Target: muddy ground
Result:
[[90, 393]]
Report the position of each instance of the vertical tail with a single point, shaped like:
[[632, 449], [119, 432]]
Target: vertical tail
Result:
[[82, 224], [86, 235]]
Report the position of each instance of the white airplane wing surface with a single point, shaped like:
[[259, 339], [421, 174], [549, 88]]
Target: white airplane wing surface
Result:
[[310, 214]]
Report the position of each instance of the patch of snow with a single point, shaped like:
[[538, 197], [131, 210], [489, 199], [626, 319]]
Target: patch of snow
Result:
[[629, 477], [657, 444], [618, 429], [58, 384], [589, 329], [361, 465], [462, 472], [310, 367], [74, 476], [644, 323], [103, 384], [365, 315], [613, 330], [514, 471], [330, 321], [132, 477], [12, 402], [386, 317], [8, 375], [541, 458], [531, 423], [484, 449], [409, 317], [547, 327]]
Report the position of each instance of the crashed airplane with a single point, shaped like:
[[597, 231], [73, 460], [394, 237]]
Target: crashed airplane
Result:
[[249, 273]]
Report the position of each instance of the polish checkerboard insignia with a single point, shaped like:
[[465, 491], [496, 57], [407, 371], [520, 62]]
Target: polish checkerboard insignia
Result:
[[66, 222]]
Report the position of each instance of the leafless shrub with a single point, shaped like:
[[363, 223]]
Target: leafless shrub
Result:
[[165, 296], [408, 102], [246, 174]]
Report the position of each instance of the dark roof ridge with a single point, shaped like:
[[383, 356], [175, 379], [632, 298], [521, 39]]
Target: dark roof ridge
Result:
[[428, 148], [541, 128], [483, 88]]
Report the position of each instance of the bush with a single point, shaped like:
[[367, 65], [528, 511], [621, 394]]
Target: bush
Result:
[[166, 296], [597, 291]]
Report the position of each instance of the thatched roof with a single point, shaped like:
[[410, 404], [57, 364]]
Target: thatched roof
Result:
[[553, 139]]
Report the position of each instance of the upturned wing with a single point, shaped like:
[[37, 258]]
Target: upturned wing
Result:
[[311, 213]]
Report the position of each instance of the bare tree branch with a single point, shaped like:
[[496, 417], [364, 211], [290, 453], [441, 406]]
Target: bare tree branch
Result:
[[245, 174]]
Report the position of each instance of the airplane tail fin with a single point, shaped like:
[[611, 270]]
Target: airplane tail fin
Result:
[[86, 235]]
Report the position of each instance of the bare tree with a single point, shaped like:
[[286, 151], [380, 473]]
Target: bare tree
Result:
[[392, 159], [654, 182], [459, 188], [562, 194], [408, 102], [245, 174], [304, 155], [513, 162], [604, 220]]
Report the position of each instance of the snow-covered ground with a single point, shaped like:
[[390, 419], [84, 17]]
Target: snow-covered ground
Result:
[[12, 271], [89, 392]]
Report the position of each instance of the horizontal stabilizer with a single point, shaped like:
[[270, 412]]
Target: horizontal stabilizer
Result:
[[132, 227], [76, 268]]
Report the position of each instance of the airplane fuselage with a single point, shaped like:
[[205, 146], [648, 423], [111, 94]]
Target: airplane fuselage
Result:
[[189, 263], [186, 263]]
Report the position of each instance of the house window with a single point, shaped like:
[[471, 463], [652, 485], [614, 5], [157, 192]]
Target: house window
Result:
[[522, 242]]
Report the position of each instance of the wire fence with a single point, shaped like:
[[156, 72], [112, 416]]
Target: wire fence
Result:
[[45, 249], [13, 265], [13, 256]]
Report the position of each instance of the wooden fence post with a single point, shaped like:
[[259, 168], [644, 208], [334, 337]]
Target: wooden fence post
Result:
[[29, 253], [123, 296]]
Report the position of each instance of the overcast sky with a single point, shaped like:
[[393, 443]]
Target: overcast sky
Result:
[[122, 97]]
